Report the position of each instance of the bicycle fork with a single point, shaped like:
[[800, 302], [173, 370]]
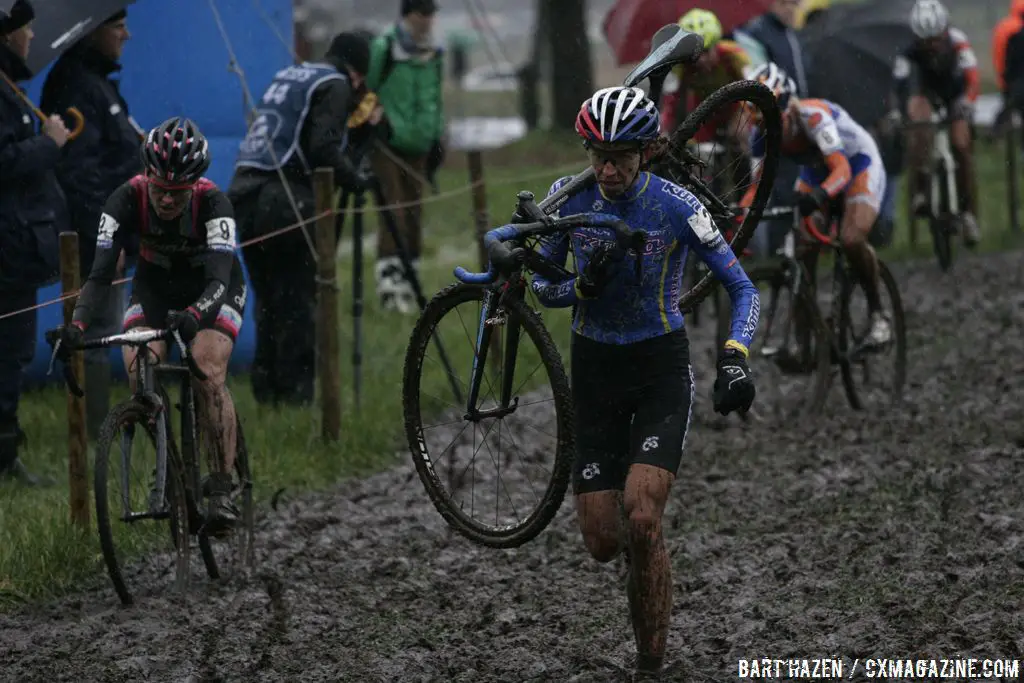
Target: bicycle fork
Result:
[[157, 508], [492, 316], [790, 276], [944, 191]]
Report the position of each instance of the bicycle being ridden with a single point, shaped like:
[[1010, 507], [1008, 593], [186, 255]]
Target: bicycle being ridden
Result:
[[838, 157], [940, 73], [630, 370], [188, 280]]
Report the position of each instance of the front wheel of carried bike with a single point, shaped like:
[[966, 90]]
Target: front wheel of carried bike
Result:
[[873, 375], [129, 519], [497, 471], [739, 103]]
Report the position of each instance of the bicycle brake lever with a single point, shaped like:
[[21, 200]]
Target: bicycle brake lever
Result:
[[53, 356], [187, 357]]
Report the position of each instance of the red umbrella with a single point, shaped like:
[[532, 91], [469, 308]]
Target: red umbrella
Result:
[[629, 25]]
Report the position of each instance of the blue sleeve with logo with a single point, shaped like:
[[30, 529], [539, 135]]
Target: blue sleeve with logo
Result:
[[556, 249], [701, 235]]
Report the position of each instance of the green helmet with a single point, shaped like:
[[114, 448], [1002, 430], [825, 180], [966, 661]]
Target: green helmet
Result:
[[703, 23]]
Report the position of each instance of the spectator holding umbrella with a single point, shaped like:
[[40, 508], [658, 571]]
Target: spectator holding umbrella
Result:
[[98, 161], [32, 213]]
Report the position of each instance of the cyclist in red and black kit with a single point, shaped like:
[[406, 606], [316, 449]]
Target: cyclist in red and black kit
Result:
[[188, 279], [940, 70]]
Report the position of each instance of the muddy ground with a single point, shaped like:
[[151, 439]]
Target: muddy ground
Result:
[[883, 534]]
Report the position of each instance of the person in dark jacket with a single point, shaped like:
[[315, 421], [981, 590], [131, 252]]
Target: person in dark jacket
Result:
[[32, 213], [300, 125], [103, 157], [774, 32]]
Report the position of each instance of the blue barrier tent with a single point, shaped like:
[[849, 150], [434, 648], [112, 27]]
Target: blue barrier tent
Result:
[[177, 63]]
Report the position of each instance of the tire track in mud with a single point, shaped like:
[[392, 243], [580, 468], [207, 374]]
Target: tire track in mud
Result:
[[894, 533]]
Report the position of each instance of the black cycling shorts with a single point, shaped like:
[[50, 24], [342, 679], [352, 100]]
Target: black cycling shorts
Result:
[[155, 292], [944, 92], [632, 406]]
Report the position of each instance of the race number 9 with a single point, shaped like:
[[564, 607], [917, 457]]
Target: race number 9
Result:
[[220, 234]]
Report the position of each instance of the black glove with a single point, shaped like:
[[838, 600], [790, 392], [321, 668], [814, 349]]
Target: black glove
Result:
[[72, 336], [734, 385], [598, 272], [812, 201], [185, 322]]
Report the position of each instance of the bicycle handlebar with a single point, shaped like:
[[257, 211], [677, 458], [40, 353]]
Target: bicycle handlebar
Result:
[[501, 259], [135, 338], [793, 212]]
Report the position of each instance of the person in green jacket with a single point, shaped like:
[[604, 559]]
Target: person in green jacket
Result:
[[406, 72]]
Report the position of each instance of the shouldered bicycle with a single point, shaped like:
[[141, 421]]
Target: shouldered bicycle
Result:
[[461, 445]]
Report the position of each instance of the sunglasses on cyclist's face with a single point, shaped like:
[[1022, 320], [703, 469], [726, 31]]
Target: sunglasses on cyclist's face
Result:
[[169, 199], [162, 187], [619, 157]]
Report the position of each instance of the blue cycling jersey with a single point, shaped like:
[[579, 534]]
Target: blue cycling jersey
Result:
[[631, 309]]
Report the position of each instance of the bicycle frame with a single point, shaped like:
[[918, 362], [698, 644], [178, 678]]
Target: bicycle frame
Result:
[[944, 196], [148, 389], [504, 278], [798, 277]]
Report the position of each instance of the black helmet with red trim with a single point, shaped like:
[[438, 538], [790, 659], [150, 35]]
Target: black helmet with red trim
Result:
[[176, 152]]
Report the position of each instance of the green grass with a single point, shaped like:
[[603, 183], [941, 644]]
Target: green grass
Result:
[[44, 556]]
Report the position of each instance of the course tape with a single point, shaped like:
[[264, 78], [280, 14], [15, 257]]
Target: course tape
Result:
[[465, 189]]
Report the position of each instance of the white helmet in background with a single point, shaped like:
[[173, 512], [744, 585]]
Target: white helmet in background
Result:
[[777, 80], [929, 19]]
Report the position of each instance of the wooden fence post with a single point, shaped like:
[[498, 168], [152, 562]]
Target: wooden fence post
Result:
[[481, 220], [1010, 140], [328, 348], [482, 223], [78, 452]]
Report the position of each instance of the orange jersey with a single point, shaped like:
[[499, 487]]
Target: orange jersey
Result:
[[1007, 27]]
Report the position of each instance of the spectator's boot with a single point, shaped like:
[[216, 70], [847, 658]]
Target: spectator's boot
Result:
[[222, 514], [405, 295], [97, 397], [11, 467], [389, 276], [971, 231]]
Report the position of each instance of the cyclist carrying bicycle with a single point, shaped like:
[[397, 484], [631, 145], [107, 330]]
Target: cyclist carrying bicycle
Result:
[[722, 62], [632, 383], [188, 279], [940, 70], [839, 160]]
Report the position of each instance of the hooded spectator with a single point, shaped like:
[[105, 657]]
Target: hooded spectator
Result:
[[32, 213], [103, 156]]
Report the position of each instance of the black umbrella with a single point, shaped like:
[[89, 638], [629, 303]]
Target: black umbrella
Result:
[[59, 24], [849, 52]]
